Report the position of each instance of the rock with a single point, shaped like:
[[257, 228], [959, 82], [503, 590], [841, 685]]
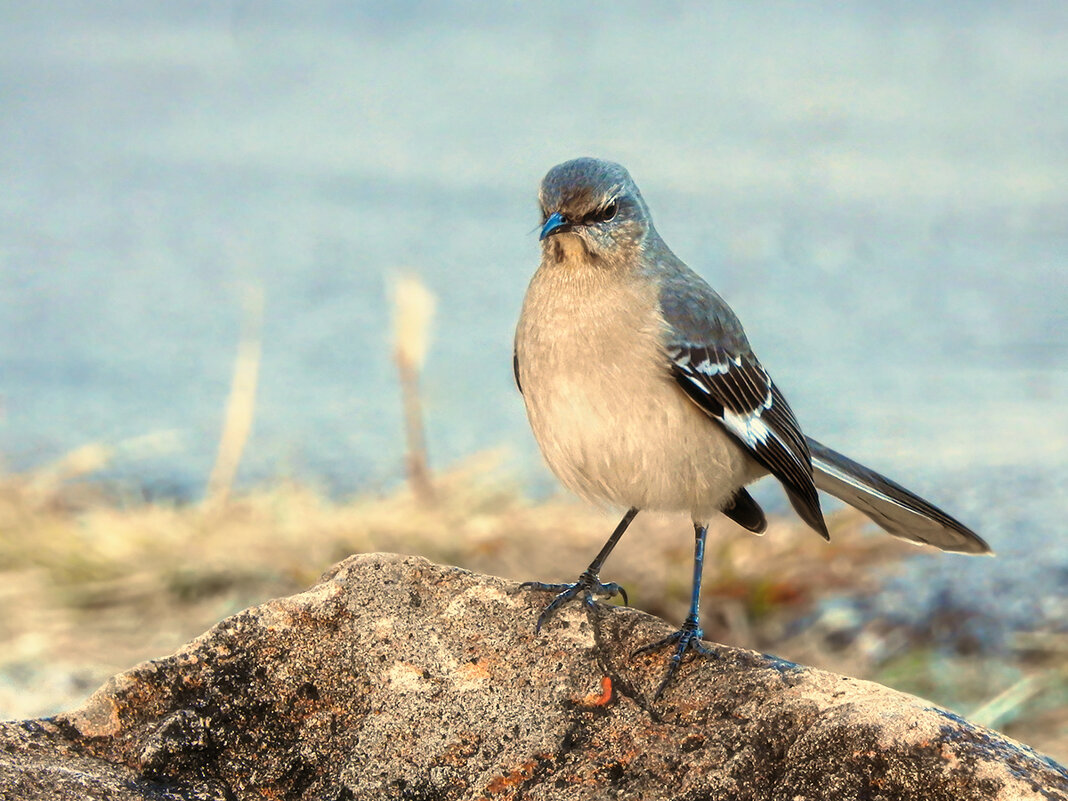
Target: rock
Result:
[[398, 678]]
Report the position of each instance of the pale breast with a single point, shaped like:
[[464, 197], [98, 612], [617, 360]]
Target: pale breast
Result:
[[609, 418]]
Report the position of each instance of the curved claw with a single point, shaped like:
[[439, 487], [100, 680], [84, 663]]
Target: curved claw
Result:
[[587, 586], [688, 638]]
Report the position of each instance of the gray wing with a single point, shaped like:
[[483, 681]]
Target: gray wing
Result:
[[713, 364], [738, 394]]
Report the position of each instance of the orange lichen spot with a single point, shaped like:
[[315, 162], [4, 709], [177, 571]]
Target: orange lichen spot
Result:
[[475, 670], [601, 698], [513, 779]]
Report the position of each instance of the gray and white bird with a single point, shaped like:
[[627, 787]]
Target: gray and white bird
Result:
[[644, 394]]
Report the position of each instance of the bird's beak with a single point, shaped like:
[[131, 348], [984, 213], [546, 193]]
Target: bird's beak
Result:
[[556, 224]]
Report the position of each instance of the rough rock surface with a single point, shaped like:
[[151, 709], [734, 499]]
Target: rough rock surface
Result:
[[398, 678]]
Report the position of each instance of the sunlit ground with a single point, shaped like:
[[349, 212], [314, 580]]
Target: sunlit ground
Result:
[[93, 582]]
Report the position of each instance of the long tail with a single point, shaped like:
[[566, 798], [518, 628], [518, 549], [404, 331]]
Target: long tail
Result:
[[902, 513]]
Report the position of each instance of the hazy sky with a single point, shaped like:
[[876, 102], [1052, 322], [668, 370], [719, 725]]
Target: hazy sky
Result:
[[880, 189]]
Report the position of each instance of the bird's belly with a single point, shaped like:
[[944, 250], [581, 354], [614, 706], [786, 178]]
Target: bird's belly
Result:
[[648, 447]]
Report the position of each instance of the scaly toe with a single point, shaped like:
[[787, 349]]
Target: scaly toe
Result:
[[688, 638], [586, 587]]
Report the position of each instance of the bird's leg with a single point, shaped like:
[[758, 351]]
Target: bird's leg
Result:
[[687, 638], [589, 583]]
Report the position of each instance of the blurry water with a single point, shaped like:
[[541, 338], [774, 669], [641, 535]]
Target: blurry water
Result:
[[881, 191]]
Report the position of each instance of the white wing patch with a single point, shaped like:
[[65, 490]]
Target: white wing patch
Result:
[[749, 427], [707, 366]]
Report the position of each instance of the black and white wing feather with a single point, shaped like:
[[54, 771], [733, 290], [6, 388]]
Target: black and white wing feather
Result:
[[736, 391]]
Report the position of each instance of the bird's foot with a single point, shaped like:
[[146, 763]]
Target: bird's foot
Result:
[[587, 586], [688, 638]]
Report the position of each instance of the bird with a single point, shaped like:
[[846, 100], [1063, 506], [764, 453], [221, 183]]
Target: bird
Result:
[[644, 394]]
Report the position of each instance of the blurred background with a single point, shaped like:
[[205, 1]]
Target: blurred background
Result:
[[206, 208]]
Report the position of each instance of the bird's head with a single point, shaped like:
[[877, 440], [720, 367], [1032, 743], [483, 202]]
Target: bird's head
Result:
[[593, 209]]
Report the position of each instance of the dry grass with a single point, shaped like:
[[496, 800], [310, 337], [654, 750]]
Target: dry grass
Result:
[[92, 585]]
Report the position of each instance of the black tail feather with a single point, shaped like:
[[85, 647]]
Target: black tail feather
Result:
[[746, 512]]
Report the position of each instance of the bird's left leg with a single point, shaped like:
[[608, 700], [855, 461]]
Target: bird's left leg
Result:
[[687, 638], [589, 583]]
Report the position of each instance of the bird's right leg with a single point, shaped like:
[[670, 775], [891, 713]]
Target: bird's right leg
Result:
[[589, 583], [688, 638]]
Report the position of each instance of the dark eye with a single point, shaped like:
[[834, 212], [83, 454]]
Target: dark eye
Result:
[[605, 214]]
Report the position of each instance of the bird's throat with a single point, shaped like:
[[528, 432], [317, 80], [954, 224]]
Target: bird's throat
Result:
[[571, 251]]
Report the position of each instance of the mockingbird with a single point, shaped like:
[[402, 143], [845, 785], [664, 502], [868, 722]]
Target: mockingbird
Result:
[[643, 392]]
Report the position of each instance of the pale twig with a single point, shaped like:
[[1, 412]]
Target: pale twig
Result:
[[413, 311], [241, 405], [1002, 706]]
